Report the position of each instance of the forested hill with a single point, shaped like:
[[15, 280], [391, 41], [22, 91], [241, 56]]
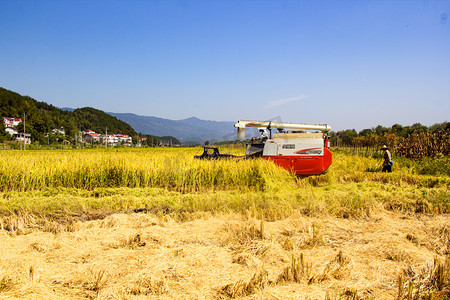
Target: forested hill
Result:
[[42, 117], [98, 121]]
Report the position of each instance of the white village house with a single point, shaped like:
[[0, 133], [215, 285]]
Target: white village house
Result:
[[59, 131], [11, 122], [10, 128], [92, 137]]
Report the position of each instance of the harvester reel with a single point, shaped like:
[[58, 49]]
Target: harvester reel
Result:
[[212, 153]]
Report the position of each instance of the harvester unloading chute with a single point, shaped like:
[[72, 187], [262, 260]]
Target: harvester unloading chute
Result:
[[241, 124]]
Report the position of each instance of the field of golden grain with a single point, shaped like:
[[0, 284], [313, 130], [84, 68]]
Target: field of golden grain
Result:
[[158, 224]]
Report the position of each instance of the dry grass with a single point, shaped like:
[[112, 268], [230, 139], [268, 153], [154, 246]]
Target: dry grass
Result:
[[132, 256]]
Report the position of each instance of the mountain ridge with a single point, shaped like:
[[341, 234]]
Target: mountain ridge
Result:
[[191, 130]]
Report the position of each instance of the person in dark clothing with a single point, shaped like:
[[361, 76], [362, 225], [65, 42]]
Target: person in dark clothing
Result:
[[387, 162], [264, 136]]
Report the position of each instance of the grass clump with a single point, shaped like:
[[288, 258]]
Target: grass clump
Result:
[[431, 282]]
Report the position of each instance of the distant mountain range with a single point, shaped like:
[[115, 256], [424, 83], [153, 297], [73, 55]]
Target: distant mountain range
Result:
[[188, 131]]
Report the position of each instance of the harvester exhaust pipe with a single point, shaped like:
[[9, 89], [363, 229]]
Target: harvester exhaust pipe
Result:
[[241, 124]]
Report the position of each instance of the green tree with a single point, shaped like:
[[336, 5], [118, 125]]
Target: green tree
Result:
[[3, 134], [419, 128], [347, 136], [365, 132], [440, 127], [398, 129], [380, 130]]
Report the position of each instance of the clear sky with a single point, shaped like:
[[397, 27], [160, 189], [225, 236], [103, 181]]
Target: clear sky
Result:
[[351, 64]]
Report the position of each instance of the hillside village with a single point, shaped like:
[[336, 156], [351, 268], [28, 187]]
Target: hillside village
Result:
[[87, 136], [10, 128], [90, 137]]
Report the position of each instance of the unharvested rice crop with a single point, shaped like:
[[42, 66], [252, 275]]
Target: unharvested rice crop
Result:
[[172, 169]]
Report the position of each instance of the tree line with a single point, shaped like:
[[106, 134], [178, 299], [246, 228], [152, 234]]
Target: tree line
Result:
[[410, 141]]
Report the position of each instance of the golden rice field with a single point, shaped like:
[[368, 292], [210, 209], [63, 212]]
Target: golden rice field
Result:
[[158, 224], [175, 169]]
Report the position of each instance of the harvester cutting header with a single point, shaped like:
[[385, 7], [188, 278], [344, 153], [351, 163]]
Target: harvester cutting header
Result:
[[297, 149]]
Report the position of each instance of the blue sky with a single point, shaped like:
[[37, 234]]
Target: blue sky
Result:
[[351, 64]]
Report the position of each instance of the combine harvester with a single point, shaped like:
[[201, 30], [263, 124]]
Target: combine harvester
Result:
[[297, 150]]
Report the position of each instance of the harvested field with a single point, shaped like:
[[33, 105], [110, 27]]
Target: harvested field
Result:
[[131, 256]]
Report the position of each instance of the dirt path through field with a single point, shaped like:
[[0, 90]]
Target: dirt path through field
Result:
[[128, 256]]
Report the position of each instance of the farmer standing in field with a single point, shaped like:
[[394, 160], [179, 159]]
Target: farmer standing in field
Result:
[[387, 163]]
